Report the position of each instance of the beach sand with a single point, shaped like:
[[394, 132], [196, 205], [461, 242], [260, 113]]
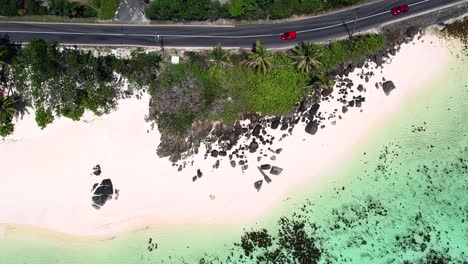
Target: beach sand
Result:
[[47, 176]]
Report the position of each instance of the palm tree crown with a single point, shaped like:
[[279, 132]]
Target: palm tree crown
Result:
[[219, 59], [306, 56], [7, 108], [259, 59]]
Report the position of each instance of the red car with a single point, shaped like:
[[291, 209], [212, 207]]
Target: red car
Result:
[[400, 9], [289, 35]]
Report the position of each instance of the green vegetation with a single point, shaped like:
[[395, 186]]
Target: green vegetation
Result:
[[238, 9], [66, 82], [219, 60], [256, 81], [306, 56], [104, 9], [344, 51], [219, 85], [259, 58]]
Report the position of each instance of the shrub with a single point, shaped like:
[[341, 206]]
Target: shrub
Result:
[[6, 129]]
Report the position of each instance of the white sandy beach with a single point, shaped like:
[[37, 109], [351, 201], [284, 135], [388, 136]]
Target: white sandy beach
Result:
[[46, 176]]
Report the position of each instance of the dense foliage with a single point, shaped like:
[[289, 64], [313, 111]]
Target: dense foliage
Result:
[[104, 9], [64, 82], [219, 85], [343, 51], [238, 9]]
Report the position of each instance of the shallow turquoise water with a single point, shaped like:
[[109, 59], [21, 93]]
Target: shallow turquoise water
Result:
[[401, 196]]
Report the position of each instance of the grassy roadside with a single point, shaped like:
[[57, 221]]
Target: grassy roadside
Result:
[[106, 8]]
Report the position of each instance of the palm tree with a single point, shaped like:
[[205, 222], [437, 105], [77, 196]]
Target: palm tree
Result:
[[7, 108], [3, 53], [259, 59], [306, 56], [219, 59]]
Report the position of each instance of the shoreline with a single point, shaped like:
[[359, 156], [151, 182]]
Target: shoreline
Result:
[[271, 193]]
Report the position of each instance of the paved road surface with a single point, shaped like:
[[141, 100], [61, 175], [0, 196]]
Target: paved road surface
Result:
[[319, 28]]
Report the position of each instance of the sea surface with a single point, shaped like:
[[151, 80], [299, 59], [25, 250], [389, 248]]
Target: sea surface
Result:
[[401, 196]]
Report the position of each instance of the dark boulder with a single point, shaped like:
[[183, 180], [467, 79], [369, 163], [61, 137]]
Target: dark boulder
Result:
[[276, 170], [351, 103], [216, 165], [388, 87], [104, 190], [304, 105], [106, 182], [256, 130], [233, 163], [253, 146], [214, 153], [199, 173], [278, 151], [284, 126], [327, 92], [360, 88], [100, 200], [97, 170], [312, 127], [378, 59], [265, 166], [344, 109], [314, 109], [275, 123], [222, 153], [258, 185]]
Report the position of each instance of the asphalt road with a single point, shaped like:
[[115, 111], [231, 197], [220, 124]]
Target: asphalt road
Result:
[[320, 28]]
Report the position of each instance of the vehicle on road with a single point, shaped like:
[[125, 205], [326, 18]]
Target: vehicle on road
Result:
[[400, 9], [291, 35], [147, 2]]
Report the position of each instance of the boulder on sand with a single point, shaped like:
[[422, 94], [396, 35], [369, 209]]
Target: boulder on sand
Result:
[[314, 109], [214, 153], [258, 185], [304, 105], [388, 87], [275, 123], [265, 166], [256, 130], [276, 170], [327, 92], [253, 146], [312, 127]]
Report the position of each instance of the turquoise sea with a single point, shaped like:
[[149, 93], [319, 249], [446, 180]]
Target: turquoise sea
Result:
[[399, 197]]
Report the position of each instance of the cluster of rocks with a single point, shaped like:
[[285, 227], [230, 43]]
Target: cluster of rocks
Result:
[[103, 191], [250, 134], [152, 245], [266, 167], [236, 141]]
